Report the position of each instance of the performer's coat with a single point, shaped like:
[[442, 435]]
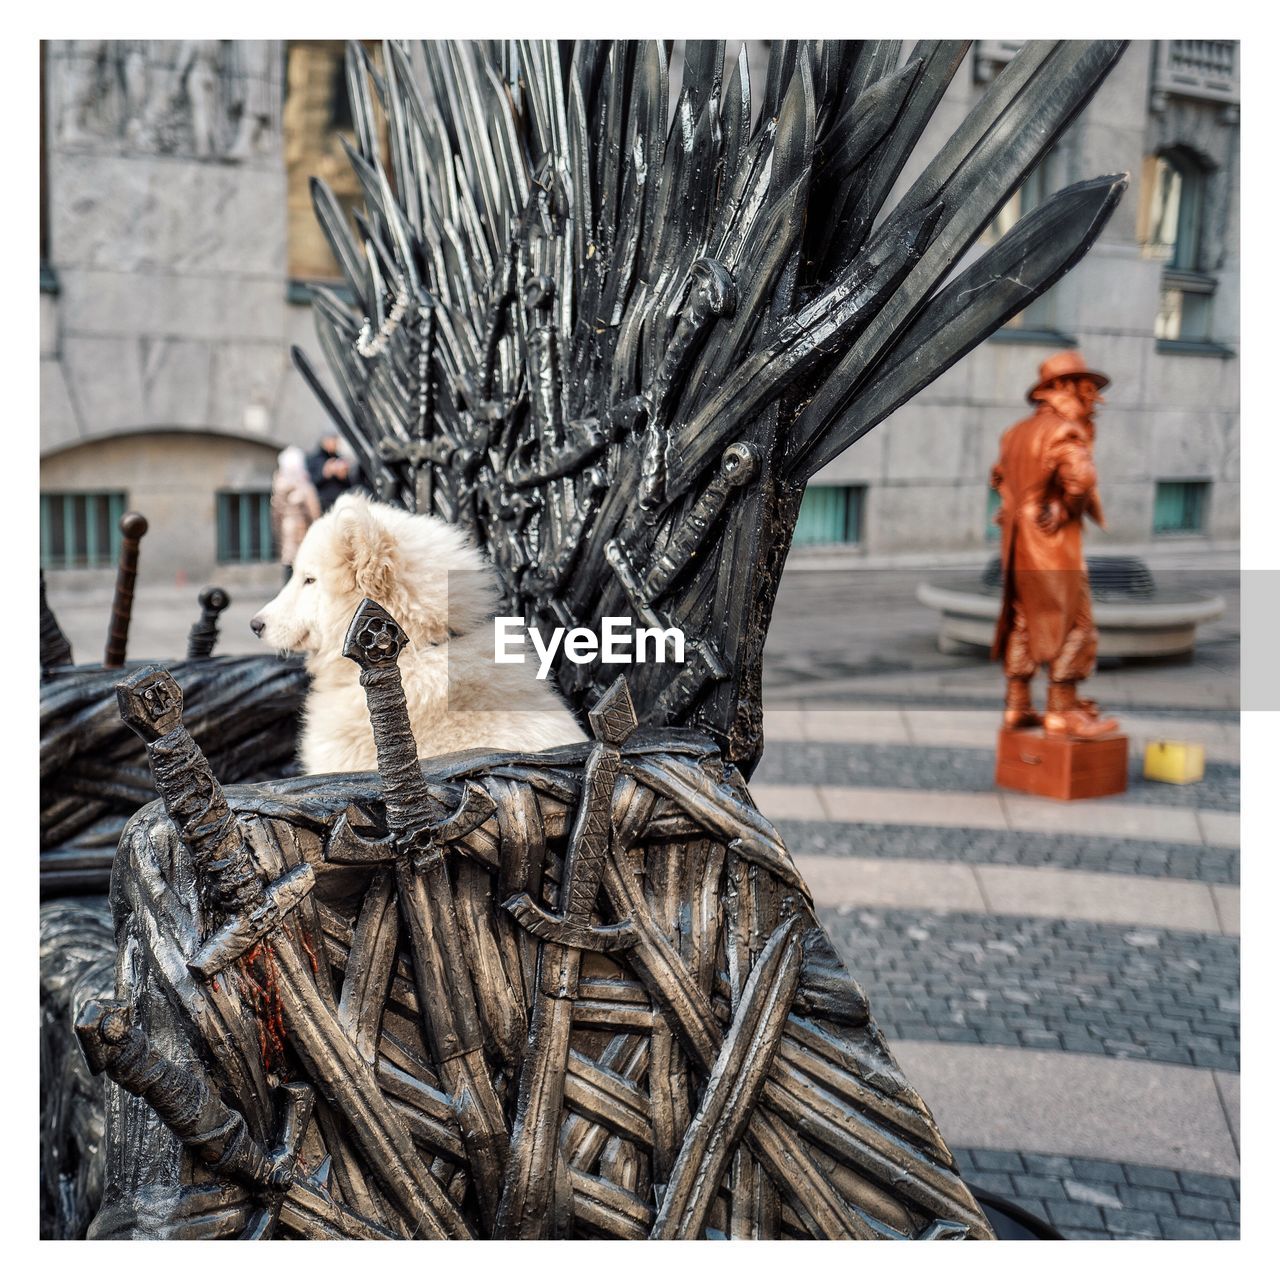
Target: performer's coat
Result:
[[1044, 460]]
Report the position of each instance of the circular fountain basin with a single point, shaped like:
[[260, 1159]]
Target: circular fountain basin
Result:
[[1134, 617]]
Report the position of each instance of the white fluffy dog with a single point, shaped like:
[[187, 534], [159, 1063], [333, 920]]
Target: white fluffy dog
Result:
[[430, 578]]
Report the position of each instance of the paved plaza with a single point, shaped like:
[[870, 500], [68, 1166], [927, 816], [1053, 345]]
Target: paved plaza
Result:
[[1061, 982]]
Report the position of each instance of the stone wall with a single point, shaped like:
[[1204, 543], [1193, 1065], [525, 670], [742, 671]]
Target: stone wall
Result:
[[166, 235], [173, 477], [176, 217]]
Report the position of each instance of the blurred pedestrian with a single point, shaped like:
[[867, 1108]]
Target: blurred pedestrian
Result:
[[331, 473], [294, 504]]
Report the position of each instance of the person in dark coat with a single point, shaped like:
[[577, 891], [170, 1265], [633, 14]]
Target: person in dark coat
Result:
[[1047, 483], [330, 472]]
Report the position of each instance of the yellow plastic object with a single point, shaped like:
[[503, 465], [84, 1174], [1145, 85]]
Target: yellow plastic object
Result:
[[1174, 762]]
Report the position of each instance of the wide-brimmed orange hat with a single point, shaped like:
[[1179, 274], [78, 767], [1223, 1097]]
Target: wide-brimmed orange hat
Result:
[[1066, 364]]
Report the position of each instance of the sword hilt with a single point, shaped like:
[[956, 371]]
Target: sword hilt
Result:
[[204, 631], [612, 720], [132, 526], [712, 293], [738, 465], [586, 937], [150, 704], [181, 1098], [374, 642]]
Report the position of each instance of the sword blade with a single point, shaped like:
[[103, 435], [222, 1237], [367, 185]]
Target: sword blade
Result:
[[530, 1174], [527, 1193], [451, 1019], [347, 1083], [309, 1210], [674, 990]]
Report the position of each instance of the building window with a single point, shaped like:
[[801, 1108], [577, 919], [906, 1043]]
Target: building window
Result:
[[1174, 210], [830, 514], [317, 116], [1181, 506], [245, 535], [1171, 230], [80, 530]]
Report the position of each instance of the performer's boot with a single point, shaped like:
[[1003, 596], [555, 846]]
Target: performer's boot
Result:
[[1018, 711], [1068, 717]]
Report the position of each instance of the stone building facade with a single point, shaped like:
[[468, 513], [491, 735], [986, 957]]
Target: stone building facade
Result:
[[1168, 443], [166, 307], [177, 240]]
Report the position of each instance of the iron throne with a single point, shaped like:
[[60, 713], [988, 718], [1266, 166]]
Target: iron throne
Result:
[[581, 992], [615, 350]]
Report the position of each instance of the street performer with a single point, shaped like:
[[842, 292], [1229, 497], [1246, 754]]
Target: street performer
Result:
[[1047, 484]]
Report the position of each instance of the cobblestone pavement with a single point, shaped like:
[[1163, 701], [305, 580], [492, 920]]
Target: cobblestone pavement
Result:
[[1210, 864], [1104, 1200], [963, 769], [859, 700], [1158, 994]]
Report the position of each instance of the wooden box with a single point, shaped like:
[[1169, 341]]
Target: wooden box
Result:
[[1062, 768], [1179, 762]]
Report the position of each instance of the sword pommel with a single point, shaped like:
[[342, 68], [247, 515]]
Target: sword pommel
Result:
[[374, 638], [178, 1093], [713, 287], [150, 703], [204, 631], [213, 599], [115, 1025], [613, 718], [133, 525], [739, 463], [375, 641]]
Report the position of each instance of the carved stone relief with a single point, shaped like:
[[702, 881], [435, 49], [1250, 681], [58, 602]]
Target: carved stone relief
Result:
[[211, 99]]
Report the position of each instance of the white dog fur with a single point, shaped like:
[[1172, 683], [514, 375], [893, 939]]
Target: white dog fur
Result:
[[430, 578]]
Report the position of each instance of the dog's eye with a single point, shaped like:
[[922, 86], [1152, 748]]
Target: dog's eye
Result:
[[307, 582]]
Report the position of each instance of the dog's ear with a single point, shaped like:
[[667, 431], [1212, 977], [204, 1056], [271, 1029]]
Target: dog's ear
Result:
[[369, 549]]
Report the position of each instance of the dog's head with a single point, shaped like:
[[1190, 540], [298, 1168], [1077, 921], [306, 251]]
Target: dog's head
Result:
[[422, 570]]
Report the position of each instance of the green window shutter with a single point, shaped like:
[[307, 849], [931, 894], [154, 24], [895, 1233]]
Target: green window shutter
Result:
[[46, 531], [1181, 506], [830, 514], [115, 513], [854, 503], [244, 528], [80, 530]]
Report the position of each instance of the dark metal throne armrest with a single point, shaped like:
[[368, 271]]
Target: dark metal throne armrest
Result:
[[577, 993]]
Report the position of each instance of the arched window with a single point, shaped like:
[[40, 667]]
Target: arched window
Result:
[[1171, 230], [1175, 209]]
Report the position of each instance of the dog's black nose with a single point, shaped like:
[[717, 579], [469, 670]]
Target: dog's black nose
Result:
[[256, 624]]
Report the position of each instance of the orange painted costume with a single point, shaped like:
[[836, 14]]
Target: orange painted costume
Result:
[[1048, 484]]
